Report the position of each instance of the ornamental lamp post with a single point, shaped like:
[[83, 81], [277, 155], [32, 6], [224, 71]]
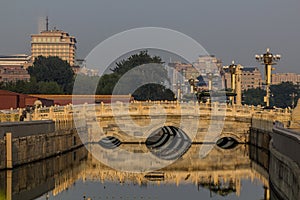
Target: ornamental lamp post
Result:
[[268, 59], [236, 78], [209, 76], [293, 95]]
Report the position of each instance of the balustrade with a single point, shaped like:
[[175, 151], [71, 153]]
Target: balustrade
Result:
[[65, 114]]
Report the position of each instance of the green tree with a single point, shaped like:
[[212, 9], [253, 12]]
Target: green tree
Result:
[[107, 83], [18, 86], [33, 87], [254, 96], [135, 60], [49, 88], [48, 69], [153, 92], [282, 94], [85, 84], [139, 75]]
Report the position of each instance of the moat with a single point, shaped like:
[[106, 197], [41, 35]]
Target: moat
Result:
[[113, 159], [223, 174]]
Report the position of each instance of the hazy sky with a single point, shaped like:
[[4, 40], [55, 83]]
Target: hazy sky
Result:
[[230, 29]]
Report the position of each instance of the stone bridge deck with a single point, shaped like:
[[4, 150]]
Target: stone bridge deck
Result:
[[134, 122]]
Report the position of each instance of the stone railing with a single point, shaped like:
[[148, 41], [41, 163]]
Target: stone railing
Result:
[[10, 117], [64, 114]]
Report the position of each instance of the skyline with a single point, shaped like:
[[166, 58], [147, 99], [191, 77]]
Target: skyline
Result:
[[230, 30]]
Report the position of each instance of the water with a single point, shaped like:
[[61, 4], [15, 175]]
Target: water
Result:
[[113, 190], [222, 174]]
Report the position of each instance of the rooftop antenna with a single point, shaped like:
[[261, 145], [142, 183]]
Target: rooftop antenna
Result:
[[47, 23]]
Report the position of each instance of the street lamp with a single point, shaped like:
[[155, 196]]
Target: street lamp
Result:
[[293, 95], [193, 86], [209, 75], [178, 91], [236, 73], [268, 59]]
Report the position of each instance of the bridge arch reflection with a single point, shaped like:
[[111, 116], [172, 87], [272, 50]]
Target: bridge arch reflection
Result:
[[227, 143], [109, 142], [168, 143]]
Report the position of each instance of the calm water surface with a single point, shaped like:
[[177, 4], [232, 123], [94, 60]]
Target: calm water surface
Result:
[[223, 174]]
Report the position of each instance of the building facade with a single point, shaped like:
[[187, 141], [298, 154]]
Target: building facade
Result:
[[54, 43], [12, 73], [206, 72], [278, 78], [15, 60], [251, 78]]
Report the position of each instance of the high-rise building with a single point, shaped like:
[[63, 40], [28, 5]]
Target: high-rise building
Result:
[[54, 43]]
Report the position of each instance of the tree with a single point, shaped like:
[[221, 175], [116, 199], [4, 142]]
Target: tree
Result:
[[85, 84], [48, 69], [282, 94], [254, 96], [107, 83], [33, 87], [132, 72], [135, 60], [154, 92], [49, 88]]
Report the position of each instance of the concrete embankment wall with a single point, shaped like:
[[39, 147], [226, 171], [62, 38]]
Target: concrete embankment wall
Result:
[[259, 140], [284, 164], [32, 141], [277, 153], [3, 154], [23, 129]]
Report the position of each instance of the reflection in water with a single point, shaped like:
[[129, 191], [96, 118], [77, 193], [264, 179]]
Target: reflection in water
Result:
[[35, 179], [110, 142], [219, 188], [233, 170], [168, 143], [227, 143], [78, 174]]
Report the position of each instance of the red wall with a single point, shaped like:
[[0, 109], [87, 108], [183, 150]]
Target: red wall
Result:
[[8, 101]]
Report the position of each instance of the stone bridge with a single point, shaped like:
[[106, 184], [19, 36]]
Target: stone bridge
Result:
[[134, 122], [202, 123]]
